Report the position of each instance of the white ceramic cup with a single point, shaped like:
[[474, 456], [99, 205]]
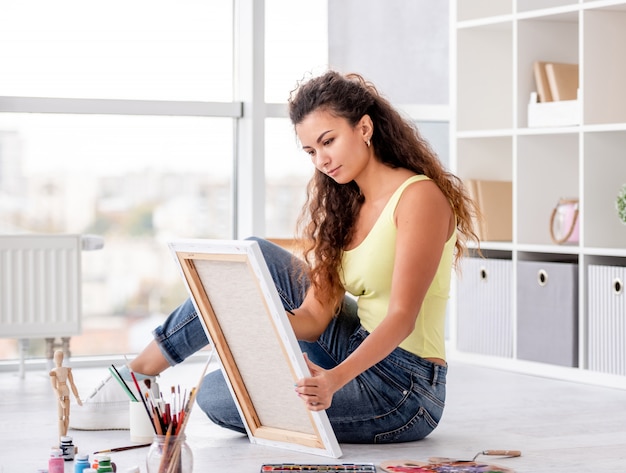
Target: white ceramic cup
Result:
[[141, 430]]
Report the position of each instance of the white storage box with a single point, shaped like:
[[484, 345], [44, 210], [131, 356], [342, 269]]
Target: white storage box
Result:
[[547, 312], [561, 113], [607, 319], [484, 313]]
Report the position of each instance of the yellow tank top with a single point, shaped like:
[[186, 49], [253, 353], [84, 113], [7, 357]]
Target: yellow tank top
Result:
[[367, 271]]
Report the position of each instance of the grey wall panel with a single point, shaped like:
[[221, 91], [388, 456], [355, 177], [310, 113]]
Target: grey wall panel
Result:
[[400, 45]]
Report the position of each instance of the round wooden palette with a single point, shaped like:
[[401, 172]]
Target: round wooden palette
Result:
[[450, 466]]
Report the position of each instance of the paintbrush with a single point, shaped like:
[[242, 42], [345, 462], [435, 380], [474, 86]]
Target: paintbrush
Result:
[[122, 449], [118, 377], [169, 464]]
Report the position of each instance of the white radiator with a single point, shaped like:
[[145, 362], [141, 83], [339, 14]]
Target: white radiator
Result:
[[607, 319], [40, 288]]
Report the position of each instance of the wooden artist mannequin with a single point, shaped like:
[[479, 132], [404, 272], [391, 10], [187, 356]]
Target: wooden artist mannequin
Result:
[[60, 376]]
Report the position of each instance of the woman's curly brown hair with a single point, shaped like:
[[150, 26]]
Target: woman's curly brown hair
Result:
[[326, 222]]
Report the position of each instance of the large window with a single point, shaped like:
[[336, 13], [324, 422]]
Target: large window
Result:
[[120, 132], [295, 50], [117, 49], [287, 171], [296, 44], [136, 181]]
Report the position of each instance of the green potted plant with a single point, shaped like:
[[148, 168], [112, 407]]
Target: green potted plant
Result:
[[620, 204]]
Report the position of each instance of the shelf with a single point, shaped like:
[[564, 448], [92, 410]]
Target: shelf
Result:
[[485, 158], [550, 249], [606, 256], [496, 46], [485, 133], [616, 5], [505, 246], [605, 127], [551, 39], [487, 78], [482, 9], [543, 8], [604, 75], [556, 130], [605, 174], [547, 170]]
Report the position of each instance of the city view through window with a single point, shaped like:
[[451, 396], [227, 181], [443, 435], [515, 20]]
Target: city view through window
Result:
[[139, 181]]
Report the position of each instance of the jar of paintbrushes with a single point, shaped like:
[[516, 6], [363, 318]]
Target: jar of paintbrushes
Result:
[[169, 451], [169, 454]]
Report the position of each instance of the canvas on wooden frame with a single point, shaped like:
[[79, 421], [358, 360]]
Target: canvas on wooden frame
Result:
[[231, 287]]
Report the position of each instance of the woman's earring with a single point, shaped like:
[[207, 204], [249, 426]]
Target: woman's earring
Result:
[[368, 142]]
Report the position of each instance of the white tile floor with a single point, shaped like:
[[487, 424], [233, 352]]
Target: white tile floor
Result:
[[559, 426]]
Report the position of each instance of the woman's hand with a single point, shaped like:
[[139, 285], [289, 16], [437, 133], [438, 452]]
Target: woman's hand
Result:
[[316, 391]]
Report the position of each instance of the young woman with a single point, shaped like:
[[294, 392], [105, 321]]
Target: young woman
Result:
[[384, 223]]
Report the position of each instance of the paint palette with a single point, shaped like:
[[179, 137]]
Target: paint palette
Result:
[[319, 468], [409, 466]]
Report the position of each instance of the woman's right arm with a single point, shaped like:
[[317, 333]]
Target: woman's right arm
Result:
[[311, 318]]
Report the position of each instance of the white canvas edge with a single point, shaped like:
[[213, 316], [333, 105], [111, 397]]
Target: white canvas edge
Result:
[[251, 249]]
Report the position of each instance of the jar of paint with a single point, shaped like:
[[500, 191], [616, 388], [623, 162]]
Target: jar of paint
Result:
[[94, 462], [56, 464], [104, 464], [81, 463], [68, 448]]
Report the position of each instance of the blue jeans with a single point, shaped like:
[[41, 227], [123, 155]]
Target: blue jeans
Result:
[[400, 399]]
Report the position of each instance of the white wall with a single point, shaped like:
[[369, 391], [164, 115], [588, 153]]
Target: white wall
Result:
[[400, 45]]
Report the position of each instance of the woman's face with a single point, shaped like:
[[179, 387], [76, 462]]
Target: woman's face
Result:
[[336, 148]]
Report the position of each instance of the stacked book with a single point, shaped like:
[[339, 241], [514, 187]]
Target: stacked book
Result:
[[556, 81], [556, 101], [494, 201]]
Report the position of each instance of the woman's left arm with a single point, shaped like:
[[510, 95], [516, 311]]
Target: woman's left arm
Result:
[[424, 223]]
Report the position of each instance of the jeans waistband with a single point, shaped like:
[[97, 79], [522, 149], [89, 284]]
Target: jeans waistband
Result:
[[436, 373]]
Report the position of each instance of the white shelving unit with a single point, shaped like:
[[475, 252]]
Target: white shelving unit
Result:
[[494, 45]]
